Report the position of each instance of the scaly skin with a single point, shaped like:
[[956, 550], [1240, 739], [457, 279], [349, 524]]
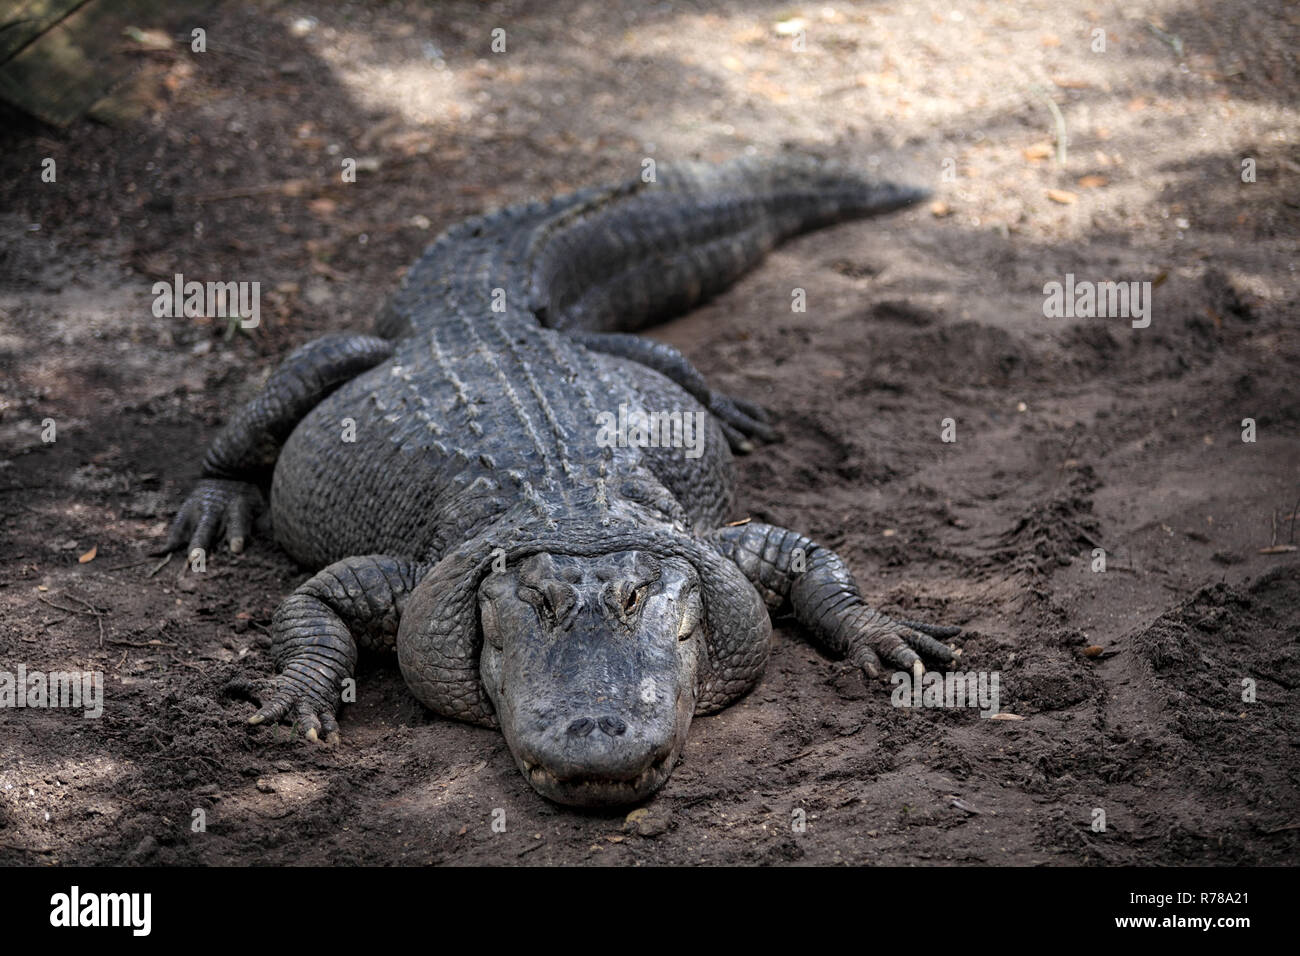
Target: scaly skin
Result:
[[448, 475]]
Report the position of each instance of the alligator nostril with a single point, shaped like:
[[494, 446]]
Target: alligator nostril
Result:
[[612, 726], [582, 726]]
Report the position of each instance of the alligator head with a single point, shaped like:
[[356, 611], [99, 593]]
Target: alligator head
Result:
[[591, 653], [590, 663]]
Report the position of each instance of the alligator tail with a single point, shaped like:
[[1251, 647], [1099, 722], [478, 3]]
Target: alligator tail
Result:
[[621, 263], [627, 256]]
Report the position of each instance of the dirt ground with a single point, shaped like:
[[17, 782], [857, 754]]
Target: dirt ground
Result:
[[1072, 433]]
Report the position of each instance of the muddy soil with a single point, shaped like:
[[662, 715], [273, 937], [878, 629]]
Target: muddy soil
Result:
[[1123, 692]]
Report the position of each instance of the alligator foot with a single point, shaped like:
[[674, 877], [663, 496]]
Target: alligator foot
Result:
[[903, 644], [792, 570], [282, 696], [743, 422], [216, 504], [314, 636]]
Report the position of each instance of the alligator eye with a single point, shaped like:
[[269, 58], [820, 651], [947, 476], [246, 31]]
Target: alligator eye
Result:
[[634, 598]]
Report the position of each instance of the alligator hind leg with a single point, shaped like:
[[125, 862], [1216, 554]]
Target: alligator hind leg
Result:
[[315, 635], [741, 420], [226, 497], [793, 571]]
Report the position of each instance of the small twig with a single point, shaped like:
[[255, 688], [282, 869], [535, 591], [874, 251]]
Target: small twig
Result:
[[1060, 469], [161, 564], [133, 564], [177, 660], [99, 619], [90, 607], [1173, 39], [1285, 826], [93, 611], [70, 610], [1059, 117], [225, 48], [799, 756], [289, 187]]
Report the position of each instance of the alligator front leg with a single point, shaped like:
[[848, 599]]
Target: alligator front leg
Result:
[[226, 497], [316, 632], [741, 420], [790, 570]]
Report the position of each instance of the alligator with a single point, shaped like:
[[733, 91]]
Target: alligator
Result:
[[579, 588]]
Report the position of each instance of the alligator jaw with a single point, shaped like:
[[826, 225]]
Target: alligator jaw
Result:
[[591, 791]]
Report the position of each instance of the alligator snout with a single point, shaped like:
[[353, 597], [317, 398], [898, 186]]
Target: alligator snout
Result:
[[607, 746], [596, 761], [610, 725]]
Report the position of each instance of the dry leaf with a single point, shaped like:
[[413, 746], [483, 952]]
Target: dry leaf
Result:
[[1006, 717], [1071, 84], [1038, 151], [94, 550], [1063, 197], [1092, 182], [939, 209], [1093, 650], [1278, 549]]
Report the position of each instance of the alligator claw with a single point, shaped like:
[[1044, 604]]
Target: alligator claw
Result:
[[904, 645], [739, 444], [279, 698], [752, 409], [742, 422], [215, 504]]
